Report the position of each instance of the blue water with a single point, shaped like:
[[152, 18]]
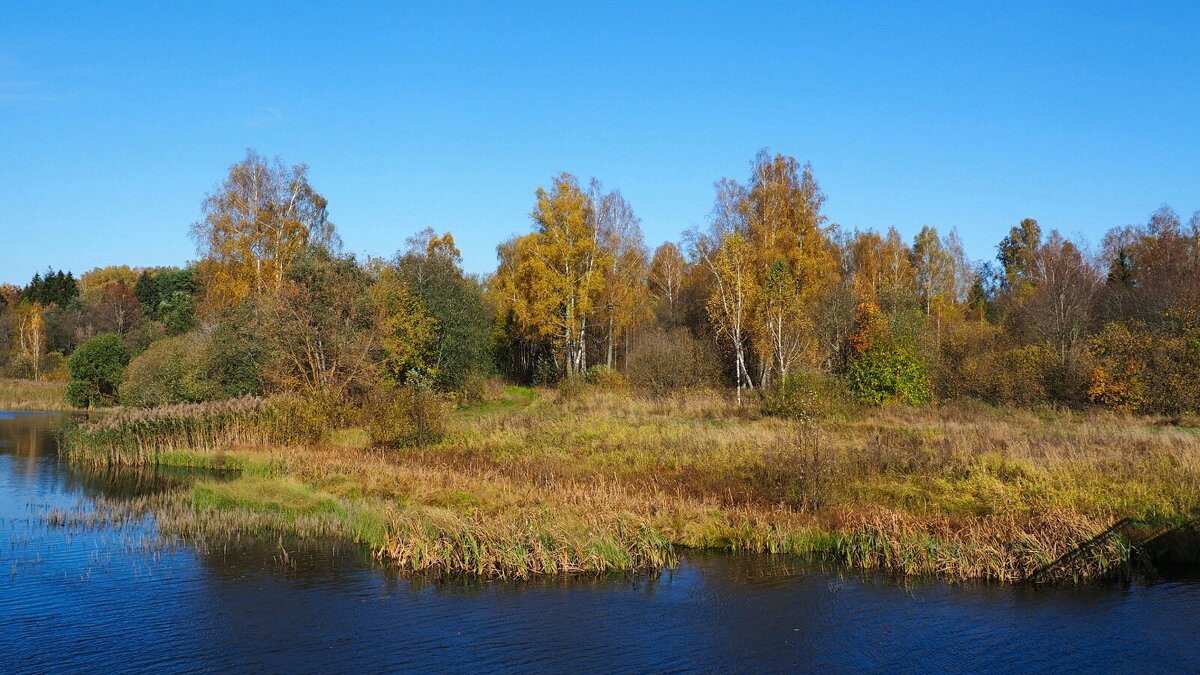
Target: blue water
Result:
[[87, 600]]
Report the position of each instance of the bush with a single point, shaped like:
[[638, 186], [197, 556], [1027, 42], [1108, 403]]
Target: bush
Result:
[[887, 373], [666, 362], [173, 370], [571, 388], [605, 378], [1139, 370], [976, 362], [312, 416], [238, 351], [96, 371], [804, 395], [54, 367], [412, 414], [545, 371], [474, 389]]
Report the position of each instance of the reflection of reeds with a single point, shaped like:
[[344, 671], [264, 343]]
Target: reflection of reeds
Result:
[[140, 437]]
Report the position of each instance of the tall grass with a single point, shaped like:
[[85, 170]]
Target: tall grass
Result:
[[33, 395], [186, 432]]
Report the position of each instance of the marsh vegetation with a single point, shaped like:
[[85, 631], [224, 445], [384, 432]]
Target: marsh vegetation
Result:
[[529, 482]]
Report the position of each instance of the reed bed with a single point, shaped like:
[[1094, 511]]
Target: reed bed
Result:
[[192, 434], [440, 541]]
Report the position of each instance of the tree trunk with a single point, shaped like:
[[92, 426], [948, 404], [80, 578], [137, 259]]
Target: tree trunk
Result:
[[610, 341]]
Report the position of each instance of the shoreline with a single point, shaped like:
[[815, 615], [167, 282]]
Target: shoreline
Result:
[[605, 483]]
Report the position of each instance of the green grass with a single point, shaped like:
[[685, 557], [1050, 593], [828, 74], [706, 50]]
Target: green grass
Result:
[[244, 462], [282, 496], [510, 398]]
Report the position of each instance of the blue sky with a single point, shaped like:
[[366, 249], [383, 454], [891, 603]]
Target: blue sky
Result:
[[117, 118]]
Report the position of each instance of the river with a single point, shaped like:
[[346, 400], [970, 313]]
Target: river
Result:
[[82, 599]]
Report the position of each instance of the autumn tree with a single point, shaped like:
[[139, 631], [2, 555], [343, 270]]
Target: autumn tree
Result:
[[668, 269], [112, 308], [94, 280], [883, 270], [519, 341], [318, 329], [550, 281], [30, 343], [454, 325], [726, 252], [1065, 284], [405, 331], [933, 269], [261, 218], [796, 267], [1016, 253], [623, 297]]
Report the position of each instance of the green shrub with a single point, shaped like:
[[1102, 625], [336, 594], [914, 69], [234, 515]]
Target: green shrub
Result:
[[545, 371], [887, 373], [173, 370], [474, 389], [412, 414], [95, 370]]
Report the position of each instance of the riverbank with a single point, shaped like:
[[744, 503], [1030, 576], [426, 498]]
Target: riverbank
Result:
[[528, 484]]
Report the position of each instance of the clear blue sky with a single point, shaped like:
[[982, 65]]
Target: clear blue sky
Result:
[[116, 118]]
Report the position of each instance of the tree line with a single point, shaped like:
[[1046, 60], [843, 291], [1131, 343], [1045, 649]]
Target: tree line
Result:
[[768, 298]]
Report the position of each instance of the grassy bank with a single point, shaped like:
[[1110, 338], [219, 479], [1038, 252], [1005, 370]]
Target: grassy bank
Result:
[[530, 484], [33, 395]]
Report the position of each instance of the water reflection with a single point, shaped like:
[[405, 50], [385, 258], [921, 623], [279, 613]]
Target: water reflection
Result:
[[75, 600]]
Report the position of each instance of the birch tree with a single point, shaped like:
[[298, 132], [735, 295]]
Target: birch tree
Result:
[[796, 266], [623, 296], [727, 253], [259, 219], [665, 279], [566, 270]]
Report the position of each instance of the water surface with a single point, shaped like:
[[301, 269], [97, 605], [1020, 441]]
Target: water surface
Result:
[[76, 599]]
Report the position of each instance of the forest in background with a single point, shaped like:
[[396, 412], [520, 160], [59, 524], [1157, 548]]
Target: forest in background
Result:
[[768, 300]]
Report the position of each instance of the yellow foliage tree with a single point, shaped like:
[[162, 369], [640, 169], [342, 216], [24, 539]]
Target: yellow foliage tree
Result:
[[406, 331], [730, 260], [624, 296], [31, 336], [261, 217], [796, 265], [560, 272]]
